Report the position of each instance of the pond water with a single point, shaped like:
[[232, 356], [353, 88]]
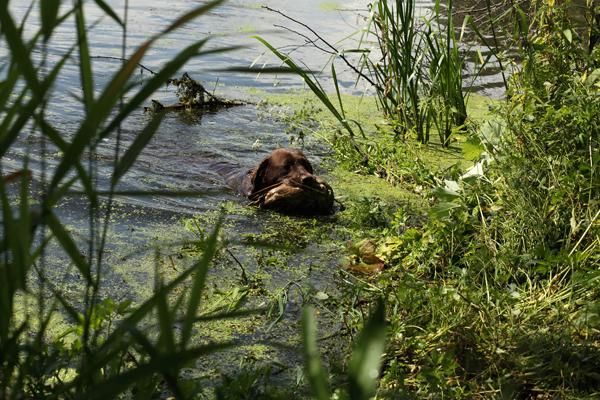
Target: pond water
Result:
[[195, 142], [181, 154]]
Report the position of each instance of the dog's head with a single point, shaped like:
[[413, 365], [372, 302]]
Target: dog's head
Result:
[[284, 181], [282, 165]]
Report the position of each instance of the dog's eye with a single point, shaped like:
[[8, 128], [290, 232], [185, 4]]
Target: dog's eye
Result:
[[308, 167]]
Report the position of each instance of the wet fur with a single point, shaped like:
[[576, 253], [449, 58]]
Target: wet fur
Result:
[[282, 165], [282, 181]]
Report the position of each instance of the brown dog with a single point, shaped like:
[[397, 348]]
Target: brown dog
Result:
[[284, 181], [281, 165]]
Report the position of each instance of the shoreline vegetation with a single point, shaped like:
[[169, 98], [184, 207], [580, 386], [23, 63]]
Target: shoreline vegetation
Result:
[[467, 249], [491, 274]]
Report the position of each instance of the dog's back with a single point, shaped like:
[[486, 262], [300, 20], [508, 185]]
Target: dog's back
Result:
[[235, 176]]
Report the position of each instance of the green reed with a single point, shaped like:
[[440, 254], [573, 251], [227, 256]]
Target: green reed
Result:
[[445, 73], [420, 69], [416, 70], [399, 71]]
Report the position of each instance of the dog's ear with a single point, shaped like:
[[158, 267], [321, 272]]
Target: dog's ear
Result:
[[258, 177]]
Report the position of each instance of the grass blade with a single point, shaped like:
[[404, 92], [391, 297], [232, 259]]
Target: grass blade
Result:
[[366, 357], [68, 245], [85, 64], [109, 11], [136, 148], [48, 13], [110, 388], [59, 142], [337, 90], [165, 323], [8, 136], [316, 373], [20, 52], [198, 285], [317, 90]]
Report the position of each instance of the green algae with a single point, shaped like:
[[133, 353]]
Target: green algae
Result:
[[330, 5], [286, 260]]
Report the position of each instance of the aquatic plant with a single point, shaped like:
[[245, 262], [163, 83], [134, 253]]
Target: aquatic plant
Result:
[[415, 69], [399, 71], [446, 93], [492, 290]]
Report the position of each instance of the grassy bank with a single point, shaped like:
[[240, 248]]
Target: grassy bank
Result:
[[490, 279], [490, 275]]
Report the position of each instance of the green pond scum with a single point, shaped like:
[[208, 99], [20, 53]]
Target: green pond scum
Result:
[[269, 262]]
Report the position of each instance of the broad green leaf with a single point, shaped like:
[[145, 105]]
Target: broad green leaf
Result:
[[443, 210], [593, 77], [446, 193]]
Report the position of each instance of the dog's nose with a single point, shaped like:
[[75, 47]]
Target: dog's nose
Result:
[[308, 179]]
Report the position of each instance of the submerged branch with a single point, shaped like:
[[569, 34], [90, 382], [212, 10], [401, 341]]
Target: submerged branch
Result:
[[125, 60]]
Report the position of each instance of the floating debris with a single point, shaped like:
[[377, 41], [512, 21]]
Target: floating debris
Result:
[[192, 96]]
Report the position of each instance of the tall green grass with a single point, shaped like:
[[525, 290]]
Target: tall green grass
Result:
[[415, 70], [420, 68], [401, 67], [106, 362], [446, 64]]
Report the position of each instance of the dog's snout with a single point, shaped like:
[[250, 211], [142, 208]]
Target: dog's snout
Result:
[[308, 179]]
